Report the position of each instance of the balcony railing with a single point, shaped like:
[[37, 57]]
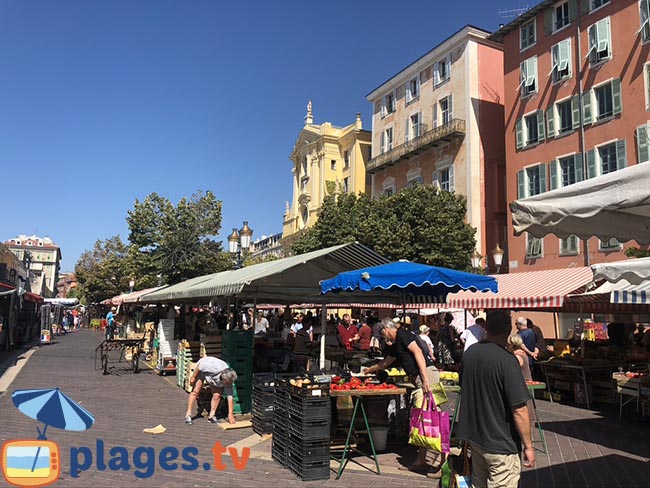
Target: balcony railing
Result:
[[445, 132]]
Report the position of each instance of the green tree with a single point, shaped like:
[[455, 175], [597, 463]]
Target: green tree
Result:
[[421, 224], [104, 271]]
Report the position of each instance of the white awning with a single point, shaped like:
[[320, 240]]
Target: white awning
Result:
[[634, 271]]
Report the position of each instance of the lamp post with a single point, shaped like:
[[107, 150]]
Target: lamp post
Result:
[[159, 279], [131, 284], [239, 241], [476, 259], [497, 255]]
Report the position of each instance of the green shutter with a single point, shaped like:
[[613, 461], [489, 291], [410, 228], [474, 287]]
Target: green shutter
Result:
[[575, 108], [553, 167], [573, 8], [540, 126], [586, 107], [577, 164], [616, 96], [591, 163], [550, 120], [585, 6], [621, 156], [542, 178], [519, 132], [521, 185], [548, 22], [642, 134]]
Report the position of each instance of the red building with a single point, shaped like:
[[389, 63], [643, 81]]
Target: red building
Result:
[[577, 101]]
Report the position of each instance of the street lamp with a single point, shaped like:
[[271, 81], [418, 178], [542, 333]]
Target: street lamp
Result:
[[497, 255], [240, 241], [159, 279], [131, 284], [476, 259]]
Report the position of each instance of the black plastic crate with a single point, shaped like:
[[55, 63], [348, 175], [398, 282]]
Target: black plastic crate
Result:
[[310, 448], [262, 428], [310, 470], [280, 455], [313, 408], [309, 428]]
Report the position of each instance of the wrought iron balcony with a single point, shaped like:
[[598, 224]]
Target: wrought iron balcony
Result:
[[443, 133]]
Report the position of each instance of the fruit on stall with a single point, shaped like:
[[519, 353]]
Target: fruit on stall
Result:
[[357, 384]]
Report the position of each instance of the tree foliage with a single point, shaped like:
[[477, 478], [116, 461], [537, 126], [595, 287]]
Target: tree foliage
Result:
[[103, 272], [421, 224]]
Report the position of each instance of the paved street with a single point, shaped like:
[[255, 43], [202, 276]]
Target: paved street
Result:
[[588, 448]]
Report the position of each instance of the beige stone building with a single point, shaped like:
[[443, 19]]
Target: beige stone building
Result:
[[326, 159], [439, 122], [43, 258]]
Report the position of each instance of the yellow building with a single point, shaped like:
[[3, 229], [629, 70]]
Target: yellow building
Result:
[[326, 159]]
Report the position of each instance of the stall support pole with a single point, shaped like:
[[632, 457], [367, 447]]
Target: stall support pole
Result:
[[555, 324], [323, 331]]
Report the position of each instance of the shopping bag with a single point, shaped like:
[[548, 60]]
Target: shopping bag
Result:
[[439, 393], [445, 431], [425, 425]]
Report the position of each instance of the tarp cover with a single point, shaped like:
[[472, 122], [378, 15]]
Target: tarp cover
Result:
[[634, 271], [613, 205]]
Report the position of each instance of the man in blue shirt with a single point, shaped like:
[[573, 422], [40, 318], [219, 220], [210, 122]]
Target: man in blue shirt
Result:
[[529, 339], [110, 323]]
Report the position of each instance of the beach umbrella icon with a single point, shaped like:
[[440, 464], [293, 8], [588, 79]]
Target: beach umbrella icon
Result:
[[54, 408]]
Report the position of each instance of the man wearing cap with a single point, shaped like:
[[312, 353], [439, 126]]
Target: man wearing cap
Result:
[[474, 333], [216, 374], [110, 323]]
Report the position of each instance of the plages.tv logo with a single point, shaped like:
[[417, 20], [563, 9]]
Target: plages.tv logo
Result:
[[37, 462]]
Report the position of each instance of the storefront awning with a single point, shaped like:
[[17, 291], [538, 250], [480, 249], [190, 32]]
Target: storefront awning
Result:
[[635, 294], [134, 296], [530, 290]]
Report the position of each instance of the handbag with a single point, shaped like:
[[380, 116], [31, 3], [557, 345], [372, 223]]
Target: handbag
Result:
[[427, 426]]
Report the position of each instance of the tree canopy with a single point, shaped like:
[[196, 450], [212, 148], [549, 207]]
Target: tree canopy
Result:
[[421, 224]]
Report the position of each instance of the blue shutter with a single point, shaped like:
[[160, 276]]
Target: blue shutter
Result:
[[554, 170], [643, 149], [621, 156], [617, 99], [591, 163], [541, 133], [586, 106], [577, 164], [550, 120], [542, 178], [548, 22], [521, 185], [519, 133], [575, 109]]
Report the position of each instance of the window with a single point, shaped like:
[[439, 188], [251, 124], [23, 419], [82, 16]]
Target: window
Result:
[[561, 60], [560, 15], [388, 104], [569, 246], [533, 247], [447, 181], [527, 36], [606, 159], [346, 159], [413, 178], [388, 187], [442, 70], [413, 89], [531, 181], [333, 164], [528, 70], [603, 101], [413, 127], [643, 143], [388, 191], [387, 140], [609, 245], [446, 110], [644, 17], [598, 3], [600, 42], [346, 185], [530, 129], [568, 116], [646, 76], [566, 171]]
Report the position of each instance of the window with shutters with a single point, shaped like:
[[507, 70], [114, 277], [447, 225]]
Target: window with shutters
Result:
[[532, 132], [445, 110], [568, 169], [609, 245], [565, 171], [346, 159], [414, 178], [413, 124], [528, 69], [561, 60], [535, 178], [533, 247], [388, 104], [644, 16], [606, 158], [413, 89], [386, 140], [643, 143], [600, 41], [569, 246], [388, 186], [346, 185], [565, 117], [594, 4], [560, 16], [604, 101], [442, 70], [446, 178], [527, 37]]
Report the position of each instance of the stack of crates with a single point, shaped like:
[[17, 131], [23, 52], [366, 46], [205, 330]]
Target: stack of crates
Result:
[[237, 351], [280, 440], [309, 432], [211, 346], [186, 358], [263, 398]]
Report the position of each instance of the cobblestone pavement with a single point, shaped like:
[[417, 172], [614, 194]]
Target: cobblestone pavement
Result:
[[587, 448]]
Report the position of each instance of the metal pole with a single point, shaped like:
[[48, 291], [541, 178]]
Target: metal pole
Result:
[[323, 330]]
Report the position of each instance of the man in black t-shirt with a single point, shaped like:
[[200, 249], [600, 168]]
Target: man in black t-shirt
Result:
[[493, 412], [409, 351]]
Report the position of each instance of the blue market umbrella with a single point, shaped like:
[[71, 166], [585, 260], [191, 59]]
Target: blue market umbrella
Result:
[[52, 407], [409, 278]]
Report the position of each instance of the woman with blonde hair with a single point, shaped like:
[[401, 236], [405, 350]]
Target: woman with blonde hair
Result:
[[517, 348]]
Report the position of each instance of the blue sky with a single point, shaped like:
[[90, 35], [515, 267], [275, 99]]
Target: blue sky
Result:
[[105, 102]]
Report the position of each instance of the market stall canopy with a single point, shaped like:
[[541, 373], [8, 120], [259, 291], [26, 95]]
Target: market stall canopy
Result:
[[66, 302], [613, 205], [634, 271], [134, 296], [407, 279], [290, 280], [529, 290], [607, 298]]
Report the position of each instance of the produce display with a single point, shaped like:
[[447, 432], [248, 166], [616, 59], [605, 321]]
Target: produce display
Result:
[[339, 383], [449, 376], [396, 372]]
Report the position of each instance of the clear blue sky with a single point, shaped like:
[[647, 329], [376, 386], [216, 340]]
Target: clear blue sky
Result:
[[103, 102]]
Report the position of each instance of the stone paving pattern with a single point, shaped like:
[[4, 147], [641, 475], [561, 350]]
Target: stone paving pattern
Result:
[[588, 448]]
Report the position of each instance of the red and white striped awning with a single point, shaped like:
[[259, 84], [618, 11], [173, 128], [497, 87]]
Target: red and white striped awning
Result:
[[527, 290]]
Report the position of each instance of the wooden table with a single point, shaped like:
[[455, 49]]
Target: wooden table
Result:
[[358, 395]]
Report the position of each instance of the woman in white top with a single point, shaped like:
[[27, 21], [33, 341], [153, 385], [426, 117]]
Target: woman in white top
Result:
[[424, 335]]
